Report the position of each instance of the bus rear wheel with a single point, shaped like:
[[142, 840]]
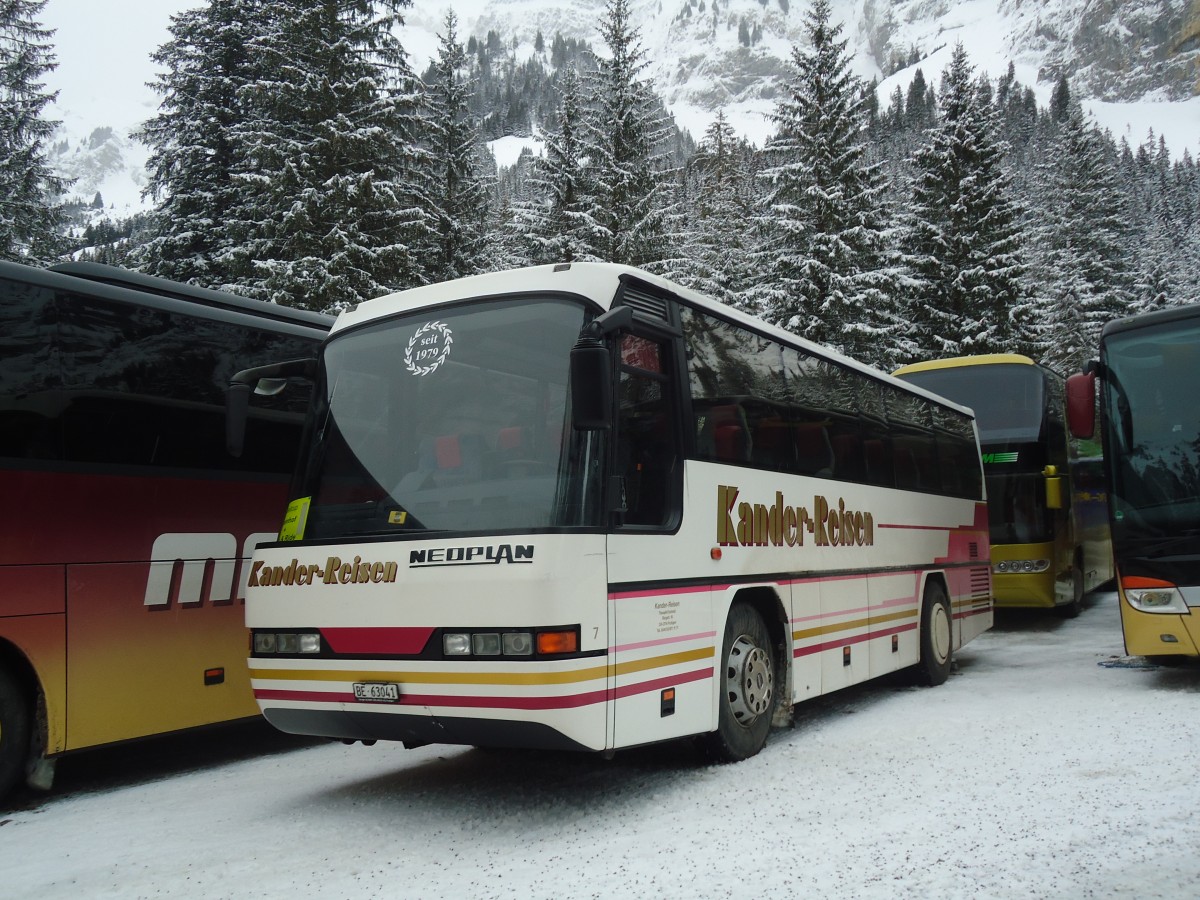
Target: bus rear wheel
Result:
[[14, 732], [937, 637], [748, 689]]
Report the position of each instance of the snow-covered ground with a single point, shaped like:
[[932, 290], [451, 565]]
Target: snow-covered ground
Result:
[[1047, 766]]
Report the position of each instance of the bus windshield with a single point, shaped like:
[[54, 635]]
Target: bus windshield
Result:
[[1008, 398], [451, 421], [1154, 429]]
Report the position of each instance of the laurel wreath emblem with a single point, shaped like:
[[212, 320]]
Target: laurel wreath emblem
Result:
[[447, 341]]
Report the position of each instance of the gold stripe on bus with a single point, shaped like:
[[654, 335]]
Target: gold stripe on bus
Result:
[[568, 677], [822, 630]]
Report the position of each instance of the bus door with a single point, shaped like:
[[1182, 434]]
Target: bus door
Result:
[[661, 628]]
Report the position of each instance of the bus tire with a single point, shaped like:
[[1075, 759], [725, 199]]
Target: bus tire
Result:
[[14, 732], [937, 637], [748, 688], [1072, 609]]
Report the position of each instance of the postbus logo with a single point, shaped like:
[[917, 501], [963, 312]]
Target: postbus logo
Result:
[[741, 523], [192, 567], [998, 458]]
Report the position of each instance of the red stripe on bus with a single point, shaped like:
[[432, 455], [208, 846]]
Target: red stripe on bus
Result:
[[857, 639], [568, 701]]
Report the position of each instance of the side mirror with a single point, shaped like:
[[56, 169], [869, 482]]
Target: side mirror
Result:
[[1054, 488], [591, 371], [266, 380], [591, 392], [1081, 404]]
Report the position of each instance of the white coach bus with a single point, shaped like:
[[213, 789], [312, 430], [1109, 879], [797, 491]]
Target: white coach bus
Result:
[[579, 506]]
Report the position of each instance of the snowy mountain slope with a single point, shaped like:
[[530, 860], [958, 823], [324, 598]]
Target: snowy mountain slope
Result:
[[1114, 53], [1136, 64]]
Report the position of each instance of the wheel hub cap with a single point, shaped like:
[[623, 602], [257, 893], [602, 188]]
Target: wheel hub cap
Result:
[[749, 679]]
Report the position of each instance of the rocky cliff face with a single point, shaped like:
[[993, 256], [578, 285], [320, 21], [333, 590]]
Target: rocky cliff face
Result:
[[1126, 51], [716, 52]]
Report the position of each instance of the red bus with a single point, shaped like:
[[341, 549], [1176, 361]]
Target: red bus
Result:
[[126, 522]]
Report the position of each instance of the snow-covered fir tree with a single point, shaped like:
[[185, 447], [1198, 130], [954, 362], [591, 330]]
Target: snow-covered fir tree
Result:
[[458, 192], [1081, 275], [336, 176], [31, 218], [627, 140], [713, 243], [195, 148], [961, 237], [823, 259], [555, 223]]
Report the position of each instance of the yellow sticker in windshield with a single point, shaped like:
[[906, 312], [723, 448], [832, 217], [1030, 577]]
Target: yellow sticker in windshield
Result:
[[295, 520]]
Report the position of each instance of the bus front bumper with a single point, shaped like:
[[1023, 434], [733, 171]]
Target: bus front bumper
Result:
[[1160, 634], [418, 730]]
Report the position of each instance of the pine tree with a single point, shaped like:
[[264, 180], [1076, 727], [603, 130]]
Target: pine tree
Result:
[[335, 177], [961, 237], [194, 149], [1060, 100], [458, 193], [31, 217], [1081, 271], [715, 246], [823, 262], [627, 145], [555, 224]]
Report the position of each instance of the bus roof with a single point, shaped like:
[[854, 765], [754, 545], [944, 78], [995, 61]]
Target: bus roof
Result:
[[1146, 319], [163, 287], [598, 283], [954, 362]]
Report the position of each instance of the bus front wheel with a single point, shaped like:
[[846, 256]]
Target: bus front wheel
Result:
[[748, 688], [937, 639], [14, 732], [1072, 609]]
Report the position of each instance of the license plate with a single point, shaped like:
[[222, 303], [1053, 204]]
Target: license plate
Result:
[[376, 692]]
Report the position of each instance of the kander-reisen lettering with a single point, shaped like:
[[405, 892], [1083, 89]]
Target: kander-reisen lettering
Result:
[[744, 524], [335, 571]]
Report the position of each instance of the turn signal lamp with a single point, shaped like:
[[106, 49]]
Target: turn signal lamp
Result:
[[1153, 595], [557, 642]]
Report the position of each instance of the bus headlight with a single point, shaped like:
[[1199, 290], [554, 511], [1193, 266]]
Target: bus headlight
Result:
[[1021, 566], [510, 643], [1153, 596], [456, 644], [293, 643]]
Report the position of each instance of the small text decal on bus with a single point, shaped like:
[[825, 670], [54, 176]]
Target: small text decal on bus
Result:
[[759, 525], [491, 555], [428, 348]]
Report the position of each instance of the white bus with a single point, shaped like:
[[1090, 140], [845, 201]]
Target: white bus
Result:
[[579, 506]]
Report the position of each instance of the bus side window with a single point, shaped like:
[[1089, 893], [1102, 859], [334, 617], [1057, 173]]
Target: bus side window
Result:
[[646, 443]]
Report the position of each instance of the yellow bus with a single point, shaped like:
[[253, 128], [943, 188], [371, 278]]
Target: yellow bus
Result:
[[1147, 368], [1049, 530], [126, 523]]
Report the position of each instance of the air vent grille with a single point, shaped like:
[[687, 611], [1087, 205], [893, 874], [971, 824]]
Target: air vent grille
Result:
[[645, 304]]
